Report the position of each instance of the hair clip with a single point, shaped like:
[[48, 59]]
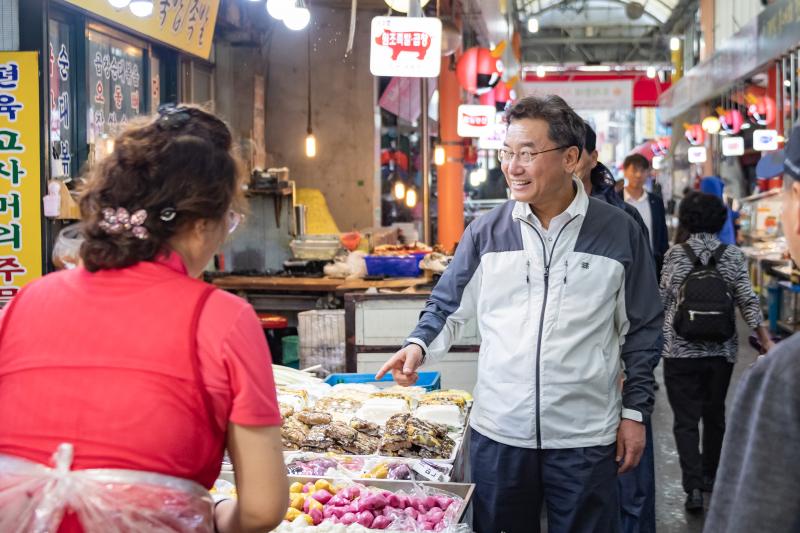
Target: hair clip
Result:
[[168, 214], [118, 221], [172, 116]]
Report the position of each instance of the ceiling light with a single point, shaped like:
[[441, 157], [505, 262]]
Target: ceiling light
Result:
[[540, 71], [279, 8], [675, 44], [533, 25], [411, 198], [594, 68], [651, 72], [474, 179], [119, 4], [141, 8], [787, 83], [399, 190], [311, 145], [297, 18], [711, 125], [439, 156], [401, 6]]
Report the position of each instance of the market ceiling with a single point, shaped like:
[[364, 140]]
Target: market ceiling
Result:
[[599, 31]]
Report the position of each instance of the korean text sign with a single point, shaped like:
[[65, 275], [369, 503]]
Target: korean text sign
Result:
[[406, 47], [187, 25], [20, 183]]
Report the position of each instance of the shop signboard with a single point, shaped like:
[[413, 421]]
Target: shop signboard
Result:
[[476, 120], [586, 95], [698, 154], [497, 136], [732, 146], [778, 29], [765, 140], [407, 47], [187, 25], [20, 177]]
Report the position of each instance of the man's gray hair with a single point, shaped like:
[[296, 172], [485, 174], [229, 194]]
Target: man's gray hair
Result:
[[566, 127]]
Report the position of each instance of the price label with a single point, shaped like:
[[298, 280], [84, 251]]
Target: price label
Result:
[[431, 472]]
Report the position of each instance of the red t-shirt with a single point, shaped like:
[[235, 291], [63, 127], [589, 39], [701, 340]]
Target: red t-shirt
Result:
[[234, 364]]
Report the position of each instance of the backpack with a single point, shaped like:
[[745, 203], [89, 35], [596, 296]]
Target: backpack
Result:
[[705, 310]]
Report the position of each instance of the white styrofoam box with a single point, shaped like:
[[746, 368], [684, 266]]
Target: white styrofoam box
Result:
[[389, 322]]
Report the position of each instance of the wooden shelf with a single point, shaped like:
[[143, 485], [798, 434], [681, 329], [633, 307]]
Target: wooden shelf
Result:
[[286, 191]]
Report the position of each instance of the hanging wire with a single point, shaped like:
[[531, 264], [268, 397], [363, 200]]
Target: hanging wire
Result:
[[308, 52]]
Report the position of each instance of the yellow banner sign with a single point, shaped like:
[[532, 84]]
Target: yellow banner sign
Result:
[[184, 24], [20, 179]]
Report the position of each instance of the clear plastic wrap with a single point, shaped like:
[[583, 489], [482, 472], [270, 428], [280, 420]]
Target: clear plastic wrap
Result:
[[67, 249], [34, 498]]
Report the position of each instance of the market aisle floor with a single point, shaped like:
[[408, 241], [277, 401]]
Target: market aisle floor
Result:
[[670, 514]]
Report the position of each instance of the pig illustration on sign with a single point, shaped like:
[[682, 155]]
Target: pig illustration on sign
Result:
[[405, 41]]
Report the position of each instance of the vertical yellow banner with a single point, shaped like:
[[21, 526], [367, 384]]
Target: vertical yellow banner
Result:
[[20, 180]]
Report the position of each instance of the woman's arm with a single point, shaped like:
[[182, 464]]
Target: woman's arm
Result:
[[261, 483]]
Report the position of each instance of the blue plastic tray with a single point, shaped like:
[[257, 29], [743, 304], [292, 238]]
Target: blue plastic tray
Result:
[[402, 266], [430, 380]]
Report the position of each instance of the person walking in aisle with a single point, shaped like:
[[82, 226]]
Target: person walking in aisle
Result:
[[703, 280], [758, 486], [637, 489], [561, 303], [636, 168]]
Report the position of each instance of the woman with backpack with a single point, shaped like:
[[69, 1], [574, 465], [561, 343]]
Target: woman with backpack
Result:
[[702, 283]]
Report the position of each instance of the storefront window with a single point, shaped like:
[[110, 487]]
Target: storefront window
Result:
[[61, 77], [115, 89]]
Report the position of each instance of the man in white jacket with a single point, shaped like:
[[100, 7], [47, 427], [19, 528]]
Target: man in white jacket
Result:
[[565, 295]]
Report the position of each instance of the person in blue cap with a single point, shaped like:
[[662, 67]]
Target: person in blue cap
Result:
[[715, 186], [758, 485]]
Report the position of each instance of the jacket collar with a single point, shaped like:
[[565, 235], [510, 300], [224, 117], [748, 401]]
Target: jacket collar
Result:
[[579, 205]]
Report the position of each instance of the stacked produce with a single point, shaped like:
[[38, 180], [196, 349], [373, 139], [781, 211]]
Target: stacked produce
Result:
[[360, 420], [320, 502], [374, 467]]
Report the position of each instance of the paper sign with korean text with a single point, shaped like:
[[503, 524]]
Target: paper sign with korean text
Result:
[[406, 47], [476, 120], [732, 146], [20, 180], [497, 136], [187, 25], [765, 140], [698, 154]]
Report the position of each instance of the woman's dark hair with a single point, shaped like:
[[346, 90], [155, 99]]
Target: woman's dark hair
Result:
[[702, 213], [566, 128], [179, 167]]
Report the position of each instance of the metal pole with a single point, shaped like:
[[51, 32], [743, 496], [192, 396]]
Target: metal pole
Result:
[[778, 95], [793, 90], [415, 10], [425, 141]]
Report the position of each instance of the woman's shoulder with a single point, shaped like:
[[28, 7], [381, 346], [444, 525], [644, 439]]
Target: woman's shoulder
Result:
[[225, 308]]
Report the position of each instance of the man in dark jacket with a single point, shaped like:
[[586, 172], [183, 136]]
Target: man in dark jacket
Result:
[[637, 169]]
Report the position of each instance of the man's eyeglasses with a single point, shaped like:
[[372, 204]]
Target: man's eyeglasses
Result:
[[235, 219], [524, 156]]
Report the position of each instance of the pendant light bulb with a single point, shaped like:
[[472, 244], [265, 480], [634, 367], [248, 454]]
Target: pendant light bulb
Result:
[[297, 18], [533, 25], [399, 190], [651, 72], [119, 4], [439, 156], [311, 145], [540, 72], [411, 198], [141, 8], [279, 9], [675, 44]]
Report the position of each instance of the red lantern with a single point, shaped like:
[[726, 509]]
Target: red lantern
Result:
[[498, 97], [477, 70], [762, 111], [695, 134], [731, 120]]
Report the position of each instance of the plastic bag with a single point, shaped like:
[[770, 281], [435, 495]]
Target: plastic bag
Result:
[[66, 251], [33, 498]]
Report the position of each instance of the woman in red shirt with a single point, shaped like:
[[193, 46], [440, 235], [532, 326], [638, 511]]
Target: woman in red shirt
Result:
[[130, 363]]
